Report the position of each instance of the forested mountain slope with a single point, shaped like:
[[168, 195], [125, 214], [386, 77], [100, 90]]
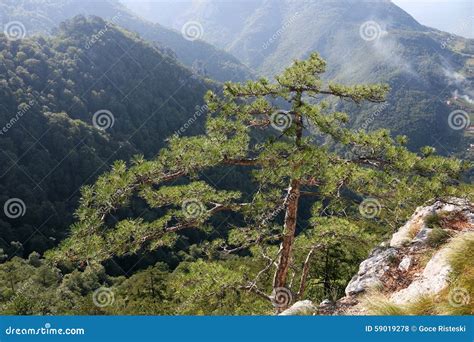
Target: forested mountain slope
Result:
[[67, 112], [75, 102], [42, 16], [430, 72]]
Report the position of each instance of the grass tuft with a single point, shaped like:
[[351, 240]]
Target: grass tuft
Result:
[[433, 220], [437, 237], [455, 299], [377, 304]]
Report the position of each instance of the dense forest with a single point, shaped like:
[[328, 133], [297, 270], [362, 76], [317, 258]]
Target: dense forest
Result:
[[54, 86], [43, 16], [144, 173]]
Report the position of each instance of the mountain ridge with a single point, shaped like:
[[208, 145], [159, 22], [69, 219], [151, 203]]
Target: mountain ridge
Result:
[[44, 15], [372, 41]]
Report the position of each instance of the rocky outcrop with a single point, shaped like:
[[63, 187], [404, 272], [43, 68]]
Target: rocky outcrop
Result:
[[304, 307], [434, 278], [411, 263], [417, 223], [372, 270]]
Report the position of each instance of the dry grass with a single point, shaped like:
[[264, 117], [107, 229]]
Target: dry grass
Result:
[[415, 229], [456, 299], [437, 237], [378, 304]]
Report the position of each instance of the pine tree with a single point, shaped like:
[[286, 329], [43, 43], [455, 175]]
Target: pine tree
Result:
[[302, 152]]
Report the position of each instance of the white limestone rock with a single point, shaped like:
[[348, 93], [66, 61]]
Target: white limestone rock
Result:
[[434, 278], [416, 224], [371, 270], [405, 264], [301, 308]]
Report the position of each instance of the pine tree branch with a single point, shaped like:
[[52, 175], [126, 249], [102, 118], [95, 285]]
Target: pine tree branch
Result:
[[193, 223], [352, 97], [309, 193], [305, 272], [371, 161], [241, 161], [257, 291]]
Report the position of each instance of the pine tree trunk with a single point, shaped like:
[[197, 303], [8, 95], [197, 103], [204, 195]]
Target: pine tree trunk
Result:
[[286, 246], [291, 214], [327, 281]]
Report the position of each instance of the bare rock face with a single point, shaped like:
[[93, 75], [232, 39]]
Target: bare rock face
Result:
[[301, 308], [416, 224], [371, 270], [400, 269], [405, 264], [434, 278]]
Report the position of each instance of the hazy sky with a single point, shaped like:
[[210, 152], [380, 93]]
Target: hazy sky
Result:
[[454, 16]]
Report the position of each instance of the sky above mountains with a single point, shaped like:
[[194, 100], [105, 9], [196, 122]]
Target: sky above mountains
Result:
[[453, 16]]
